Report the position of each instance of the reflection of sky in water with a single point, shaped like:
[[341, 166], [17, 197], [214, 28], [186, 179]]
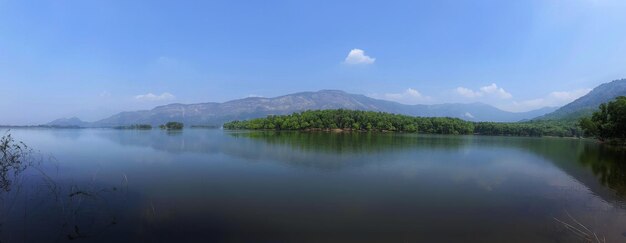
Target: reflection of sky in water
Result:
[[215, 184]]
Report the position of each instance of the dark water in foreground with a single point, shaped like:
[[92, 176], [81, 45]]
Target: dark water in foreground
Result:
[[99, 185]]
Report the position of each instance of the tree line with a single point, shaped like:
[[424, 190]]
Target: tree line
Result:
[[380, 121], [608, 123], [135, 127], [529, 129]]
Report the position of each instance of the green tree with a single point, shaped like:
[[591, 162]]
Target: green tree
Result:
[[380, 121], [608, 123], [172, 126]]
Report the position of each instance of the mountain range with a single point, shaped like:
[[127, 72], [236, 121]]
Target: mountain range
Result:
[[213, 113], [586, 104]]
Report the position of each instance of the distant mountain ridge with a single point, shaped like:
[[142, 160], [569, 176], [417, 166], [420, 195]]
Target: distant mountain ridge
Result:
[[213, 113], [68, 122], [586, 104]]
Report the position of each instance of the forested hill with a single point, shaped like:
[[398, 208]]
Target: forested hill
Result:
[[585, 105], [380, 121]]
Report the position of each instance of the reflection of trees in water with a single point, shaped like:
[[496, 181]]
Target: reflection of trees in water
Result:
[[39, 207], [353, 142], [364, 142], [333, 151], [608, 163], [170, 141]]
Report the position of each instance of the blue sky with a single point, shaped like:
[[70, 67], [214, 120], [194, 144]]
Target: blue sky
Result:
[[94, 58]]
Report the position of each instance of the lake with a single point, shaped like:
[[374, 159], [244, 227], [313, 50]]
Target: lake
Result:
[[210, 185]]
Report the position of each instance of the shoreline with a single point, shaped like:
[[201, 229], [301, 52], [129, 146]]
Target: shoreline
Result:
[[311, 130], [349, 130]]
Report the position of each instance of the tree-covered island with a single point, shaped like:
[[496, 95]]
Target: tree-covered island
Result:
[[353, 120], [135, 127], [172, 126]]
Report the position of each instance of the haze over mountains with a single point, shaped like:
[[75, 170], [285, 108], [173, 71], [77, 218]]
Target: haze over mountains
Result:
[[586, 104], [213, 113]]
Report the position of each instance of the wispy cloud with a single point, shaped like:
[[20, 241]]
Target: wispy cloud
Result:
[[152, 97], [254, 96], [468, 93], [493, 89], [408, 96], [568, 96], [105, 94], [556, 98], [357, 56], [490, 90]]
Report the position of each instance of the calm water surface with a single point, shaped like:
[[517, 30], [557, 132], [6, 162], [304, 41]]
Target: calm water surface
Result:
[[198, 185]]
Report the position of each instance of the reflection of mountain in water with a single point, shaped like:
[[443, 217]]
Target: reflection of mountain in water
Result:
[[598, 166]]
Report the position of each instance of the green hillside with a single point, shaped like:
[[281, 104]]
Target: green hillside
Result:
[[586, 105]]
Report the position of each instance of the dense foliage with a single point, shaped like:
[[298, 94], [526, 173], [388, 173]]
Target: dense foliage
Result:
[[530, 128], [608, 123], [380, 121], [172, 126], [356, 120]]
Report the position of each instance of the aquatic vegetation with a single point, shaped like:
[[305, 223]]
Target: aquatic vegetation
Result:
[[73, 210], [581, 231], [14, 158]]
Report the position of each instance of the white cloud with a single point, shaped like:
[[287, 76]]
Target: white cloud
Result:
[[569, 95], [152, 97], [556, 98], [468, 93], [467, 114], [489, 90], [357, 56], [499, 92], [408, 96]]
